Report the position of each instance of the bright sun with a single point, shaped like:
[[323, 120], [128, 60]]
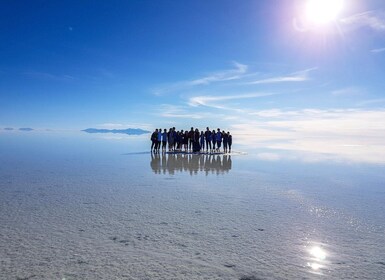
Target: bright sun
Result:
[[323, 11]]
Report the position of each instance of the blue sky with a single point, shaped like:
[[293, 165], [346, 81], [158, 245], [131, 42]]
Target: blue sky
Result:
[[257, 65]]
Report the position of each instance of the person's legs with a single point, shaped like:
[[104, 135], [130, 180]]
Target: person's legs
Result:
[[208, 143], [218, 145]]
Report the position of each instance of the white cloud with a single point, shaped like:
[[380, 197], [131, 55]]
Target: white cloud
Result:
[[48, 76], [236, 73], [172, 111], [349, 91], [210, 101], [226, 75], [372, 101], [372, 19], [299, 76], [145, 126], [378, 50]]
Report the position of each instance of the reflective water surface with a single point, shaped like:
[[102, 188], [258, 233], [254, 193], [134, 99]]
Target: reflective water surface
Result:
[[77, 206], [191, 163]]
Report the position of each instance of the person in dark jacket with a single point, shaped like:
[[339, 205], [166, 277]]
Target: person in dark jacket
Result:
[[190, 138], [202, 140], [154, 140], [229, 141], [208, 139], [225, 141]]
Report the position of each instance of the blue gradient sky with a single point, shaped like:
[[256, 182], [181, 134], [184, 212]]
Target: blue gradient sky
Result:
[[231, 64]]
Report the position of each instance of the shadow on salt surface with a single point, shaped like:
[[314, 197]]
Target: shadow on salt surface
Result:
[[191, 163]]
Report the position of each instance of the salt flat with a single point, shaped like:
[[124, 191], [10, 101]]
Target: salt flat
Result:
[[77, 207]]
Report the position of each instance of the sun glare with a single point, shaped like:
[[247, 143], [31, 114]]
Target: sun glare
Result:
[[323, 11]]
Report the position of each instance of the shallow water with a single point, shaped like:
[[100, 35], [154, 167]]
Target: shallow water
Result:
[[78, 206]]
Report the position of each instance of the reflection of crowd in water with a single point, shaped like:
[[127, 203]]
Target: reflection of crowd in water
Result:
[[192, 140], [173, 163]]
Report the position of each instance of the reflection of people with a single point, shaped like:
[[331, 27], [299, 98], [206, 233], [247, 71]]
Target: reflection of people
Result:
[[155, 162], [191, 163]]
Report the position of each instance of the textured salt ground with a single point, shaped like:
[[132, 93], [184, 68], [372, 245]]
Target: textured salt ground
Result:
[[118, 220]]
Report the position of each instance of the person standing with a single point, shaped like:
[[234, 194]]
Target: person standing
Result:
[[208, 138], [214, 139], [229, 141], [159, 139], [154, 138], [225, 141], [164, 140], [175, 140], [170, 136], [202, 140], [196, 146], [185, 141], [219, 139], [191, 138]]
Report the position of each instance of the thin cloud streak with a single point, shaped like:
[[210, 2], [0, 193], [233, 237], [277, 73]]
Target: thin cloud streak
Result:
[[372, 101], [349, 91], [378, 50], [300, 76], [207, 100], [48, 76], [221, 76], [372, 19]]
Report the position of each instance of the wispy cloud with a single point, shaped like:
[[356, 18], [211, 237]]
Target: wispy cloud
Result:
[[372, 101], [299, 76], [179, 112], [49, 76], [212, 101], [378, 50], [226, 75], [236, 73], [349, 91], [124, 125], [372, 19]]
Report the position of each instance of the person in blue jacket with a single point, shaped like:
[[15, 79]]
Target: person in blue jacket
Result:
[[159, 139]]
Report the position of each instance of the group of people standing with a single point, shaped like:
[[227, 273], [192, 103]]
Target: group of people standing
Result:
[[192, 140]]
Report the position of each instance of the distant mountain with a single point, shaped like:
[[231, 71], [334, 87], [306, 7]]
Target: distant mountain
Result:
[[8, 128], [129, 131], [26, 129]]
